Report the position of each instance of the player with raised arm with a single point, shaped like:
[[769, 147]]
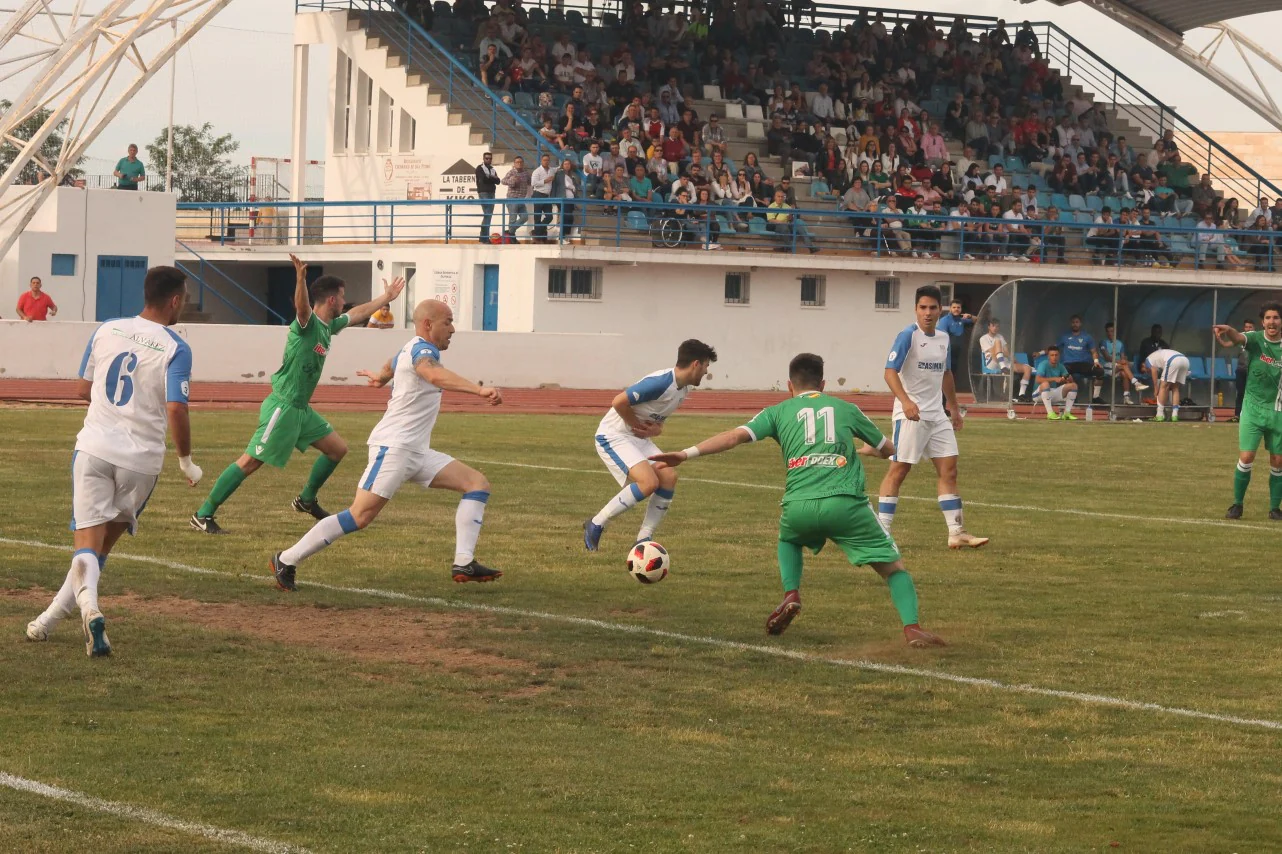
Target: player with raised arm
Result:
[[1261, 419], [1169, 370], [824, 496], [136, 375], [400, 450], [918, 375], [625, 441], [286, 419]]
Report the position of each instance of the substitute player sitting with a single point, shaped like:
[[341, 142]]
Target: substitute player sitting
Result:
[[400, 450], [136, 375], [998, 359], [1261, 419], [1169, 370], [625, 441], [824, 492], [918, 375], [1056, 385], [286, 419], [1116, 362]]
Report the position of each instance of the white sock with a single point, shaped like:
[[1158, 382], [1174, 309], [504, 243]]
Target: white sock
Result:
[[1002, 364], [886, 506], [1046, 401], [1023, 387], [952, 509], [322, 534], [654, 512], [1096, 388], [630, 496], [63, 604], [1161, 410], [84, 579], [1069, 400], [1135, 383], [1175, 412], [467, 525]]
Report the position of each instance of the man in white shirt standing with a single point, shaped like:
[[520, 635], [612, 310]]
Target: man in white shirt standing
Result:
[[918, 375], [541, 188]]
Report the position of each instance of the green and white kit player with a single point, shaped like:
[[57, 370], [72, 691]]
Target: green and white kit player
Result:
[[1261, 419], [824, 496], [286, 419]]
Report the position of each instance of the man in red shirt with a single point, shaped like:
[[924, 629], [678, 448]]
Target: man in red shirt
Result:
[[35, 304]]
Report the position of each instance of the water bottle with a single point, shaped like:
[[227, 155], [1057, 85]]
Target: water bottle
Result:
[[1090, 412]]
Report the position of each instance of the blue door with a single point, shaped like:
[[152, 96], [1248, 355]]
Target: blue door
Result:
[[490, 299], [120, 285]]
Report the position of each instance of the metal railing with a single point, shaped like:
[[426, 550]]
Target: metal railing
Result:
[[659, 225], [460, 88], [201, 273]]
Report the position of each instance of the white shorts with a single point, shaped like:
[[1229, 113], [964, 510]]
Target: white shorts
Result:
[[390, 467], [916, 439], [1056, 393], [102, 492], [620, 453], [1177, 370]]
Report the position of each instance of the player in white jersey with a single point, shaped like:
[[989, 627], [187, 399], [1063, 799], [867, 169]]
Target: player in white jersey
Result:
[[918, 374], [1170, 371], [624, 440], [136, 375], [400, 450]]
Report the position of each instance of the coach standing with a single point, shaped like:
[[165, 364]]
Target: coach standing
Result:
[[541, 188], [955, 324], [487, 181], [35, 304], [129, 170]]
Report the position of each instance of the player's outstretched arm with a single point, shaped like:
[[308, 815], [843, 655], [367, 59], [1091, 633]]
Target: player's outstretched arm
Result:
[[378, 378], [884, 451], [362, 313], [1228, 336], [180, 430], [302, 298], [715, 445], [446, 380]]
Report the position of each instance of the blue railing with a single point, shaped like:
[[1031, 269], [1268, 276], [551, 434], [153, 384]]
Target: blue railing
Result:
[[656, 225], [461, 89], [200, 275]]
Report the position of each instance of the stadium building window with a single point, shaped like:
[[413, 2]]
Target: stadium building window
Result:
[[886, 292], [736, 288], [62, 265], [812, 291], [574, 283]]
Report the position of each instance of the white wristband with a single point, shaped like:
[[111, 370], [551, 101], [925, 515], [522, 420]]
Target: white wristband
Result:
[[691, 452]]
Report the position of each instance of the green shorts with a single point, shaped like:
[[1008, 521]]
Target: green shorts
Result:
[[282, 427], [1258, 426], [848, 521]]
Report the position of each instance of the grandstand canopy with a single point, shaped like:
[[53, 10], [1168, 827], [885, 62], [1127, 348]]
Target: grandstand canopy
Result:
[[1180, 16]]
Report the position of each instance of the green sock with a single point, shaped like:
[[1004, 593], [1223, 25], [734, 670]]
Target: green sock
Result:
[[1275, 488], [227, 483], [321, 470], [904, 594], [790, 566], [1241, 480]]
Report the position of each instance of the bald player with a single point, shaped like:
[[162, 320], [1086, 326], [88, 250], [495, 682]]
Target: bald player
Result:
[[400, 450]]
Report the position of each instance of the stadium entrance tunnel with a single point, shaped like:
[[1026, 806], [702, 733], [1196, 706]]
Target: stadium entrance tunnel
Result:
[[1035, 313]]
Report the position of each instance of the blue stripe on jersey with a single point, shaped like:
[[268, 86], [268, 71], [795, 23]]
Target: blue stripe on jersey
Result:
[[178, 374], [84, 361], [423, 350], [373, 471], [618, 461], [900, 349], [650, 388], [72, 526]]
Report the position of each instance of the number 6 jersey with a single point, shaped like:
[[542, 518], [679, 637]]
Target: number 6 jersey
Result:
[[136, 367]]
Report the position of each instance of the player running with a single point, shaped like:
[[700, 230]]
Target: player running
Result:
[[1056, 385], [917, 372], [136, 375], [400, 450], [824, 496], [1261, 419], [1169, 370], [624, 441], [286, 419]]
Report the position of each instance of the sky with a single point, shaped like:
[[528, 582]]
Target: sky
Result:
[[237, 73]]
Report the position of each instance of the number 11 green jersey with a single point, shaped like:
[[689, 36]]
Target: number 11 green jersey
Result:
[[817, 433]]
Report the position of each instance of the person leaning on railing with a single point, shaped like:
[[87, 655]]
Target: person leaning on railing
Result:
[[1259, 243]]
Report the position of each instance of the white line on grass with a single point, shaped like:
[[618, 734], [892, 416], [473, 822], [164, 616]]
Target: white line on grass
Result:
[[1022, 508], [148, 816], [719, 643]]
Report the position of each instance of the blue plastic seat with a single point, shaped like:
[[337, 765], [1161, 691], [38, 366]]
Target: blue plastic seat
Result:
[[1043, 199], [1225, 370], [537, 15], [1060, 201], [1128, 203], [522, 100], [757, 225], [1094, 203], [1084, 217], [1022, 358], [1039, 182], [1197, 368], [1067, 216], [1014, 163], [637, 221], [573, 18], [1077, 202], [1113, 203], [996, 160]]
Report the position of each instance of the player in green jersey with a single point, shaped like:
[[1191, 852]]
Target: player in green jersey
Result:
[[1261, 419], [286, 419], [824, 496]]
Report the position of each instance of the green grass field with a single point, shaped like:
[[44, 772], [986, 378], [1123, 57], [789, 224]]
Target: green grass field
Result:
[[342, 718]]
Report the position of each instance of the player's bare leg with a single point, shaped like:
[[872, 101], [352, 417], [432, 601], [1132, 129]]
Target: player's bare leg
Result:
[[332, 449], [950, 505], [888, 492], [643, 482], [475, 489], [904, 595]]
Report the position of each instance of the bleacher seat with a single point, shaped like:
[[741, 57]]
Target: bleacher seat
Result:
[[574, 18], [1113, 203], [556, 16], [609, 19], [1094, 203], [1067, 216], [996, 160], [1197, 368], [443, 9], [1060, 201], [1085, 217], [637, 221], [1225, 370], [1128, 203], [1039, 182], [522, 100], [1014, 163], [1077, 202], [537, 15], [1043, 199]]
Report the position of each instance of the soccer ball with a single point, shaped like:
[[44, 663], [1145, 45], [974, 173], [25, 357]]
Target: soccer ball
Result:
[[648, 562]]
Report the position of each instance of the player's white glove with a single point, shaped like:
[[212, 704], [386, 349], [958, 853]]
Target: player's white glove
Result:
[[190, 470]]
